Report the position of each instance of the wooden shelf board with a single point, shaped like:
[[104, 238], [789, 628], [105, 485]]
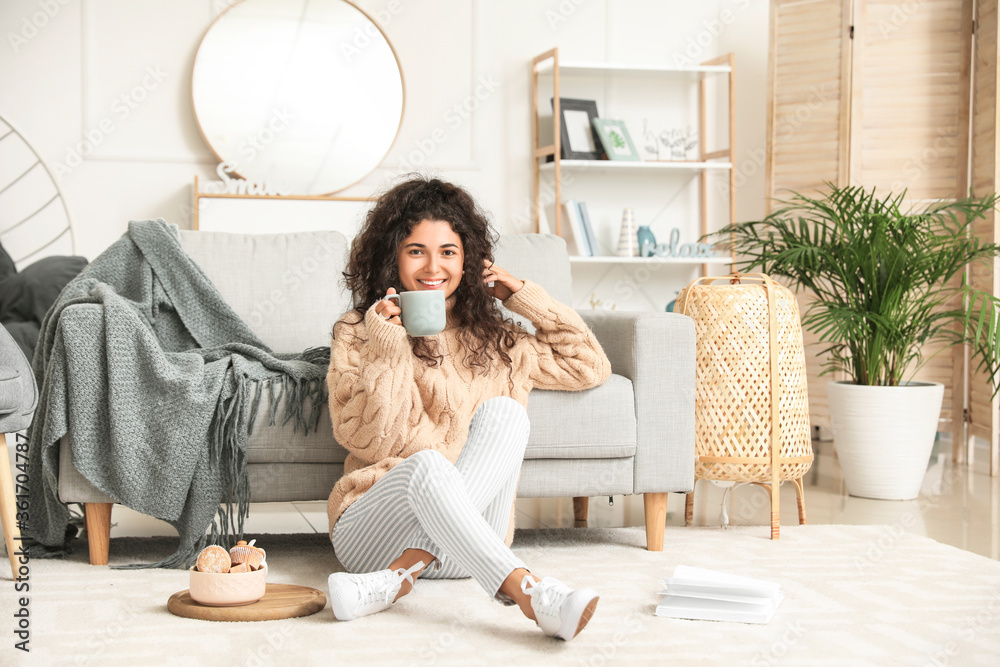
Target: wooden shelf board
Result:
[[623, 68], [613, 259], [598, 165]]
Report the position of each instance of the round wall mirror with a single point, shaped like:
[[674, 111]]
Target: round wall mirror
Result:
[[305, 96]]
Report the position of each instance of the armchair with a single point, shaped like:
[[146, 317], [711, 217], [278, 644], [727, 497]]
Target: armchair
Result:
[[18, 397]]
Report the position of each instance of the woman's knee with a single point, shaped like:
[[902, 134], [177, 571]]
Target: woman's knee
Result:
[[506, 409], [427, 458], [428, 464]]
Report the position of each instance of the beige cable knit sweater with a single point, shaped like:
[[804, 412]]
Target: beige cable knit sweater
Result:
[[386, 404]]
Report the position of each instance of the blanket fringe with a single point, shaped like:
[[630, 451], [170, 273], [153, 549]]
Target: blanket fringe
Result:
[[235, 416]]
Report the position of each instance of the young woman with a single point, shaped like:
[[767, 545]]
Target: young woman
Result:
[[435, 426]]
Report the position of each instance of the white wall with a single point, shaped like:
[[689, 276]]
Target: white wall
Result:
[[69, 68]]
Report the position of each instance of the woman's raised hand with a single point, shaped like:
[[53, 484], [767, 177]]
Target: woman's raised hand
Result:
[[504, 284], [389, 310]]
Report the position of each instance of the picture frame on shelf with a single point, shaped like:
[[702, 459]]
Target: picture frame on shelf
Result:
[[577, 135], [616, 140]]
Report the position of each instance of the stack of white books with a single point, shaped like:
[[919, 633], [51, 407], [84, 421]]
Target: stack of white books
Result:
[[576, 229], [706, 595]]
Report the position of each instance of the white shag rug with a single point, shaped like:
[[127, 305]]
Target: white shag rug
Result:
[[853, 595]]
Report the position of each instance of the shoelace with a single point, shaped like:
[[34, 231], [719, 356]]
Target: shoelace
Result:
[[550, 594], [372, 588]]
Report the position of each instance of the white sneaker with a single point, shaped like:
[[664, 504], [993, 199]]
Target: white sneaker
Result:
[[559, 610], [355, 595]]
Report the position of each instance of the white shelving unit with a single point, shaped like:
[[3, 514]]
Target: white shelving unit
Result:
[[708, 161]]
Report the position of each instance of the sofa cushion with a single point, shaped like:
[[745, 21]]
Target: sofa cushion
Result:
[[540, 258], [284, 444], [294, 294], [596, 423]]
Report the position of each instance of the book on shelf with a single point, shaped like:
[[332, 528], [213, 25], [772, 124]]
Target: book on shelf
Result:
[[573, 231], [588, 229], [544, 213], [707, 595]]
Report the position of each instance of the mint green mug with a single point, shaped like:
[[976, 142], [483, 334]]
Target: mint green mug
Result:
[[423, 311]]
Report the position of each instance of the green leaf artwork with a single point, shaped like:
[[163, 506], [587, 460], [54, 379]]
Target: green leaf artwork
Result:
[[616, 139]]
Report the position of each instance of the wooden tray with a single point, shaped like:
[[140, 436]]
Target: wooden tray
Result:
[[279, 601]]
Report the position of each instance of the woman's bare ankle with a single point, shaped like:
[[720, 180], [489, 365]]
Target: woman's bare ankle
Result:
[[406, 560], [511, 587]]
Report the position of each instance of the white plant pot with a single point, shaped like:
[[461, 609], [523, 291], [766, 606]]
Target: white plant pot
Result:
[[884, 436]]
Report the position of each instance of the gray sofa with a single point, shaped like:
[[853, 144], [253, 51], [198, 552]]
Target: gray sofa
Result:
[[633, 434]]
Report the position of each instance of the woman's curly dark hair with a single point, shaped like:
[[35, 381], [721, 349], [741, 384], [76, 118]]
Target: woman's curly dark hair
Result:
[[372, 268]]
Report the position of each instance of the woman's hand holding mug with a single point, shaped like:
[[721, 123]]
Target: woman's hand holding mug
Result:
[[390, 310], [420, 312]]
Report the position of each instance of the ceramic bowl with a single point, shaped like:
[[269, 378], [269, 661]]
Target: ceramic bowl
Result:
[[226, 589]]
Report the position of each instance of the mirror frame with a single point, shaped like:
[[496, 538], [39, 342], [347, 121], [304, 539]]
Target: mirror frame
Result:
[[402, 109]]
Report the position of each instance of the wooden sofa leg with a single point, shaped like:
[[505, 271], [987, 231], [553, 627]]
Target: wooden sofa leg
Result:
[[655, 507], [581, 507], [98, 518]]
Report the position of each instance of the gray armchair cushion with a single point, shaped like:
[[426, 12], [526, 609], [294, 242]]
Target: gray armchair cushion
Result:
[[597, 423], [7, 266], [25, 334], [18, 393]]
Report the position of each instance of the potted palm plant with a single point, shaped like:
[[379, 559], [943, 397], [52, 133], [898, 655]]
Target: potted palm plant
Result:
[[886, 283]]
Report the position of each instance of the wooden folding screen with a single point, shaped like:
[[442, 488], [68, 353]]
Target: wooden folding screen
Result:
[[808, 135], [985, 178], [894, 115]]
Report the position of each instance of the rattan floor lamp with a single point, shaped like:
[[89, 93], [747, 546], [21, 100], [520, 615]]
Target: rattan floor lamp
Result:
[[751, 405]]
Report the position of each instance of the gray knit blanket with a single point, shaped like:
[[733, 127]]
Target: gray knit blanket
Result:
[[158, 381]]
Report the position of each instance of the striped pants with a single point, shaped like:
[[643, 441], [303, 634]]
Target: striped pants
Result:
[[458, 513]]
